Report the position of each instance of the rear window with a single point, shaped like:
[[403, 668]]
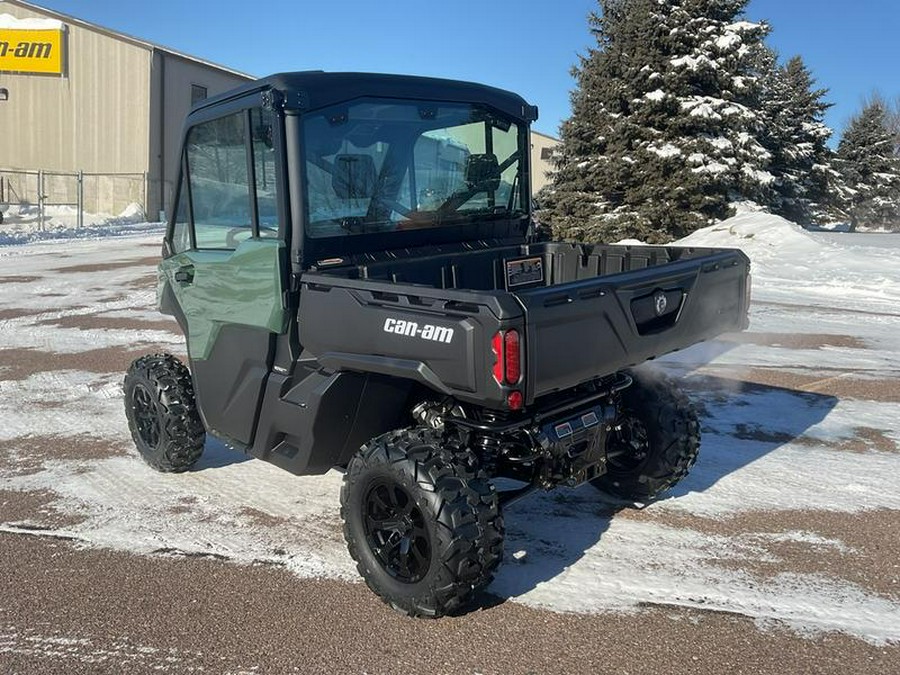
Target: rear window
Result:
[[384, 165]]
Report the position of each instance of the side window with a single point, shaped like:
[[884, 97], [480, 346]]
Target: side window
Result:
[[220, 191], [181, 233], [198, 93], [262, 126]]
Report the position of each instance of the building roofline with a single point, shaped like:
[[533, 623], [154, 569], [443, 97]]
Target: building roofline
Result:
[[541, 133], [124, 37]]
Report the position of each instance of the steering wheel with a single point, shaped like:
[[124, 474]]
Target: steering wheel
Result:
[[231, 236]]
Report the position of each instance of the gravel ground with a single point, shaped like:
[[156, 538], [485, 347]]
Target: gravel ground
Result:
[[70, 611]]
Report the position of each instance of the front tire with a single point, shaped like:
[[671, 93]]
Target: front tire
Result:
[[162, 414], [656, 440], [423, 526]]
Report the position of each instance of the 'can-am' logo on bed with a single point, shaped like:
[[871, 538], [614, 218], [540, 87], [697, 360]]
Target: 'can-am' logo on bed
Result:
[[412, 329]]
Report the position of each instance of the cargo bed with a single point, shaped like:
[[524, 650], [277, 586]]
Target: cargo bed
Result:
[[584, 311]]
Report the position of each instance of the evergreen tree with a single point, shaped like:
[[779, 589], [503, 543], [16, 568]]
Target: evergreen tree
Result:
[[893, 123], [664, 130], [870, 167], [797, 136]]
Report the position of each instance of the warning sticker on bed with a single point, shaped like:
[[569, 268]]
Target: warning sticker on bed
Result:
[[524, 271]]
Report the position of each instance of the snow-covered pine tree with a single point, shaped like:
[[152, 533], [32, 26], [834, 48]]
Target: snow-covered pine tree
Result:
[[797, 136], [893, 123], [664, 128], [871, 169]]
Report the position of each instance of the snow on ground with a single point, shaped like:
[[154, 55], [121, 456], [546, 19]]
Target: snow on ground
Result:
[[23, 224], [791, 264], [824, 312]]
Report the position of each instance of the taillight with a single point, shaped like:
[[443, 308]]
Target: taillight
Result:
[[515, 400], [497, 348], [507, 349], [512, 360]]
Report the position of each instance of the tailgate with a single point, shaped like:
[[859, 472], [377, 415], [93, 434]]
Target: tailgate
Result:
[[440, 338], [595, 327]]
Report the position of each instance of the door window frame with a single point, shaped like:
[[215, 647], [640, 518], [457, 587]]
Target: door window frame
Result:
[[242, 106]]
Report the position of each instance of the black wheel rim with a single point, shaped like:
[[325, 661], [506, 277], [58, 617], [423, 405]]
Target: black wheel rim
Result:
[[628, 446], [395, 531], [146, 417]]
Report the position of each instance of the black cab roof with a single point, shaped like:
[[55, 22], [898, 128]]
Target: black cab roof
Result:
[[310, 90]]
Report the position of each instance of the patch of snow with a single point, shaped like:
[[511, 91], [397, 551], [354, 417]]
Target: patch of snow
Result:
[[10, 21], [712, 107], [655, 95], [704, 110], [743, 27], [761, 177], [728, 41], [84, 404], [713, 168], [582, 571], [667, 150], [747, 206], [720, 143], [693, 62]]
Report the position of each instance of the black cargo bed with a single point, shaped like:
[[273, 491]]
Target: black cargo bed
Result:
[[584, 311]]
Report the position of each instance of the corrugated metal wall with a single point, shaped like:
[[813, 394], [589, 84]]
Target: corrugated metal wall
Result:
[[119, 109], [171, 104], [94, 119]]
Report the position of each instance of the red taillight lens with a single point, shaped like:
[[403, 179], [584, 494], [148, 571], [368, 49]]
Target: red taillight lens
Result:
[[497, 348], [515, 400], [507, 349], [507, 367], [512, 359]]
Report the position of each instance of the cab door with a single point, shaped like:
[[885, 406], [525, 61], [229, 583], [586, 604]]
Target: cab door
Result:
[[225, 275]]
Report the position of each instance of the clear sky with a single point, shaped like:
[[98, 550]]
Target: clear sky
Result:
[[523, 45]]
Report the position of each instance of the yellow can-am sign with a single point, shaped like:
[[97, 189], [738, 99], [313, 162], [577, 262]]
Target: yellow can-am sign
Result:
[[31, 51]]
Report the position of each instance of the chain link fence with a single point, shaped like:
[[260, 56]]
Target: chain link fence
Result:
[[73, 199]]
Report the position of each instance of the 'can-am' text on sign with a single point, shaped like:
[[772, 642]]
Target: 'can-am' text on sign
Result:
[[31, 51]]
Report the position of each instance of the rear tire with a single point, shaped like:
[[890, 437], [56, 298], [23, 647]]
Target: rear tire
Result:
[[423, 526], [162, 414], [657, 436]]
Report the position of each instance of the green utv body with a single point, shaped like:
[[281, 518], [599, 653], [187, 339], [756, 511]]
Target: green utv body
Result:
[[352, 261]]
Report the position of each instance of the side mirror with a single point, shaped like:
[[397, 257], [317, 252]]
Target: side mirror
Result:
[[483, 173], [353, 176]]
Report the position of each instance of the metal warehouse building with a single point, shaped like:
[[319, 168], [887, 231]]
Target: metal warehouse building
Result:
[[95, 112], [78, 97]]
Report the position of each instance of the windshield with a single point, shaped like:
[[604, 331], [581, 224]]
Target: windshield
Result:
[[383, 165]]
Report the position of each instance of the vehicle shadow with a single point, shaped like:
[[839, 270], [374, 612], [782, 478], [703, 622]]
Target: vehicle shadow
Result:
[[217, 455], [742, 422]]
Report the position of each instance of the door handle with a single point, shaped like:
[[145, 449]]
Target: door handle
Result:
[[185, 275]]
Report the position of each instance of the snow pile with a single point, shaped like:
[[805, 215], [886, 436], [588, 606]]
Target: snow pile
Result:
[[759, 235], [22, 224], [792, 264]]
